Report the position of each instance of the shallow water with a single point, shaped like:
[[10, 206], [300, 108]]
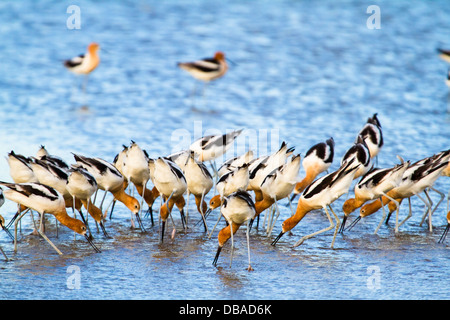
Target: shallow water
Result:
[[302, 72]]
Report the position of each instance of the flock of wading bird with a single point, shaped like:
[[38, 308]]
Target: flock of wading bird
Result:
[[245, 186], [46, 184]]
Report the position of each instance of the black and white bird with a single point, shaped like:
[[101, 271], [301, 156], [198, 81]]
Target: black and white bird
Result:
[[360, 152], [319, 195], [43, 199], [211, 147], [317, 160], [444, 54], [237, 208], [85, 63], [372, 135], [206, 69]]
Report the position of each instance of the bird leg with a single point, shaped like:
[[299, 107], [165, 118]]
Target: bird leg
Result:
[[384, 211], [201, 212], [409, 214], [248, 246], [45, 237], [317, 232], [338, 224], [232, 242]]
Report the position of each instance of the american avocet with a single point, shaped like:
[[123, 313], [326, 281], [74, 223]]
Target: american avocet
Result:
[[447, 80], [320, 194], [111, 180], [372, 135], [416, 179], [207, 69], [237, 208], [264, 165], [360, 152], [199, 183], [447, 228], [317, 160], [278, 185], [135, 170], [180, 157], [82, 185], [20, 172], [444, 54], [20, 168], [85, 63], [118, 162], [2, 225], [52, 175], [171, 183], [374, 184], [43, 199], [234, 163], [2, 220], [233, 181], [209, 148], [44, 155], [446, 172]]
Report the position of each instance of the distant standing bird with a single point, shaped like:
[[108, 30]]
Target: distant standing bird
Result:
[[444, 54], [84, 64], [207, 69]]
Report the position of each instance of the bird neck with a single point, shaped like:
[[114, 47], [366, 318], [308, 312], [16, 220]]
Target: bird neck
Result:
[[125, 198], [93, 210], [301, 211], [149, 195], [180, 202], [225, 233], [70, 203], [306, 181], [258, 195], [198, 202], [351, 204], [93, 52], [263, 204], [372, 207], [66, 220], [166, 208]]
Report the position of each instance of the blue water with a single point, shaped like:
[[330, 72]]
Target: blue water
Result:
[[302, 71]]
